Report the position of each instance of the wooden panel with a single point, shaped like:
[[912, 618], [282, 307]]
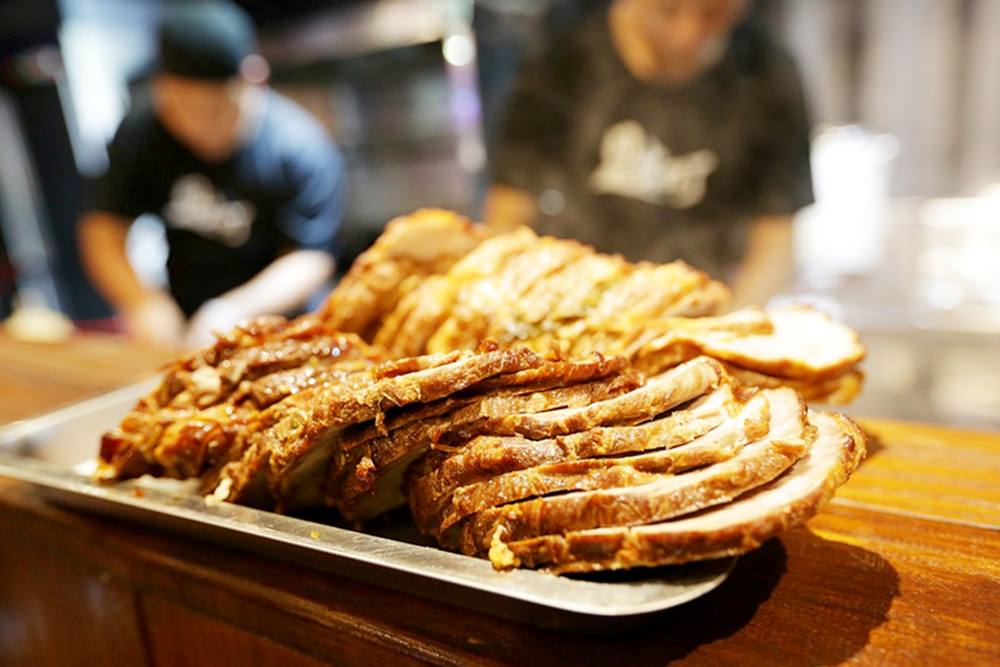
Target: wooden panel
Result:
[[853, 585], [57, 609], [929, 471], [949, 585], [39, 377], [22, 394], [314, 613], [179, 636]]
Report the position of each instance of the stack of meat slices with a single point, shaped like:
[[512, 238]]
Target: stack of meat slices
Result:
[[688, 466], [209, 401], [411, 248], [348, 444], [435, 282], [675, 433], [531, 461], [795, 347], [365, 477]]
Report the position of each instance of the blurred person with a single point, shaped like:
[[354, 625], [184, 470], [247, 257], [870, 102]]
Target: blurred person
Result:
[[662, 129], [248, 185]]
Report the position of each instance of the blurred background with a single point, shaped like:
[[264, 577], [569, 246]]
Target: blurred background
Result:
[[903, 242]]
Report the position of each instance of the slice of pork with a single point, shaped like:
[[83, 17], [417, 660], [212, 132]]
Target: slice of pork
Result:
[[731, 529]]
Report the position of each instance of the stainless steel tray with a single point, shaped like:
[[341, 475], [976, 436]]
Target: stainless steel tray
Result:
[[55, 452]]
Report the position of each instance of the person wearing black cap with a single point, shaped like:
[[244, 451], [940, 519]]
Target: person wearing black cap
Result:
[[248, 184]]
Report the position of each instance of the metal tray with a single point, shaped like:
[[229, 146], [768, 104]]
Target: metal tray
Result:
[[55, 453]]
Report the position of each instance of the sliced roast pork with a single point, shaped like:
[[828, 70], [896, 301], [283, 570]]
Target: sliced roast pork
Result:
[[662, 456], [735, 528], [434, 480], [658, 395], [365, 477], [286, 460], [756, 464]]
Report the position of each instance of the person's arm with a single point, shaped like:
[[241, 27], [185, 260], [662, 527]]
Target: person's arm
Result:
[[308, 221], [149, 315], [508, 207], [768, 265], [284, 285]]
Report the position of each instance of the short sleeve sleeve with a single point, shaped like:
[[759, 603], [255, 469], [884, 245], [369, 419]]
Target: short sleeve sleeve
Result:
[[785, 177], [533, 133], [123, 187], [312, 216]]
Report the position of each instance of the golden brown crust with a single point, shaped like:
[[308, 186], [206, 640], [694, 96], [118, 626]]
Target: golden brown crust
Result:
[[756, 464], [582, 474], [298, 432], [426, 242], [484, 309], [207, 401], [486, 458], [733, 529], [657, 396], [353, 476], [430, 305]]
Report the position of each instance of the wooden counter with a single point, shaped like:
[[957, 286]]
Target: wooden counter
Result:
[[902, 568]]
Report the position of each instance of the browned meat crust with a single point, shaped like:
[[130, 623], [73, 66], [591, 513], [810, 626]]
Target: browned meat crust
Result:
[[487, 457], [297, 436], [659, 394], [425, 309], [731, 529], [583, 474], [355, 474], [208, 401], [423, 243], [482, 308], [756, 464]]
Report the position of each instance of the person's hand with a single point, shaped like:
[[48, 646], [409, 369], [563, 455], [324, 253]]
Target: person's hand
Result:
[[215, 316], [156, 320]]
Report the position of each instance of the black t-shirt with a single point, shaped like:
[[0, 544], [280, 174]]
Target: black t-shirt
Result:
[[226, 221], [652, 172]]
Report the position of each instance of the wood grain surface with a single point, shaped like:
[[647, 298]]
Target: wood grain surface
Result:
[[38, 377], [902, 568], [929, 471]]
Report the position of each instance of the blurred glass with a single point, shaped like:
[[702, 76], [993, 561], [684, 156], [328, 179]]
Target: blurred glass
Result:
[[844, 232], [959, 249]]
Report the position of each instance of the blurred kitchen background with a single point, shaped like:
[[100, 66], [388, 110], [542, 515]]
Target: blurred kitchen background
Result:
[[903, 242]]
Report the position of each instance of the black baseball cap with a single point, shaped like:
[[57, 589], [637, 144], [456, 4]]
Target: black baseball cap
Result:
[[205, 39]]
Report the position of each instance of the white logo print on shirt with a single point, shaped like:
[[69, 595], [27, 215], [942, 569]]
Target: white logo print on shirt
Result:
[[637, 165], [196, 206]]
